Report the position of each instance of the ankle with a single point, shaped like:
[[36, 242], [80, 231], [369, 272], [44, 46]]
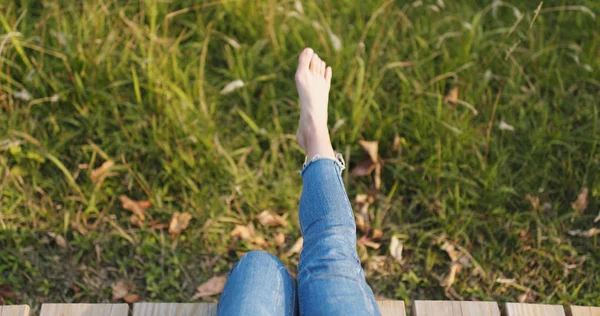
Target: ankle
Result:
[[319, 144]]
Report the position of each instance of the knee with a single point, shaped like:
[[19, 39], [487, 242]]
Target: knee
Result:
[[259, 259]]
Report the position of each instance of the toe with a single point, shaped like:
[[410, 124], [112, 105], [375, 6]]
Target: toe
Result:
[[328, 74], [322, 69], [315, 63], [305, 58]]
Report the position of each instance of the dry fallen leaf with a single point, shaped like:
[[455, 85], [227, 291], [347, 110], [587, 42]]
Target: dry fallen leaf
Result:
[[506, 127], [364, 168], [451, 277], [59, 239], [296, 248], [135, 221], [154, 224], [236, 84], [581, 203], [452, 96], [131, 298], [585, 233], [361, 221], [361, 198], [211, 287], [270, 218], [377, 233], [377, 263], [369, 243], [136, 207], [378, 175], [260, 241], [597, 219], [101, 173], [179, 222], [279, 238], [506, 281], [534, 200], [452, 252], [244, 232], [374, 163], [396, 249], [396, 145], [372, 148], [120, 289]]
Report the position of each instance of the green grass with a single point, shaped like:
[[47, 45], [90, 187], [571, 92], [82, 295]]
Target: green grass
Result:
[[139, 82]]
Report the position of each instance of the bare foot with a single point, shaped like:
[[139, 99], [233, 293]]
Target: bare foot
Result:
[[313, 80]]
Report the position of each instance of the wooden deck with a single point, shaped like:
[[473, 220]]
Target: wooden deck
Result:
[[388, 308]]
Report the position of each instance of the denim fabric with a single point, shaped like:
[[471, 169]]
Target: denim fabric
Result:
[[330, 278], [259, 284]]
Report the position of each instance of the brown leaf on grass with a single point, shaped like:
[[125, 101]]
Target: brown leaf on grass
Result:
[[372, 148], [6, 291], [244, 232], [101, 173], [534, 200], [451, 277], [59, 239], [396, 248], [581, 203], [120, 289], [79, 224], [369, 243], [377, 233], [270, 218], [179, 222], [296, 248], [211, 287], [131, 298], [279, 238], [361, 198], [361, 221], [396, 145], [260, 241], [585, 233], [364, 168], [377, 263], [452, 96], [378, 175], [154, 224], [138, 208], [135, 221], [451, 251]]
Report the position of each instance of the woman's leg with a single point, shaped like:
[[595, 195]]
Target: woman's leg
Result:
[[330, 278], [259, 284]]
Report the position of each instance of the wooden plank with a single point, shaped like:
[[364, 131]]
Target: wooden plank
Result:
[[388, 308], [456, 308], [517, 309], [584, 311], [14, 310], [580, 311], [84, 310], [392, 308], [433, 308], [174, 309]]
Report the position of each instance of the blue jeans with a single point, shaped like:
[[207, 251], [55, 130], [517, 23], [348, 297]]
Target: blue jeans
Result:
[[331, 280]]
